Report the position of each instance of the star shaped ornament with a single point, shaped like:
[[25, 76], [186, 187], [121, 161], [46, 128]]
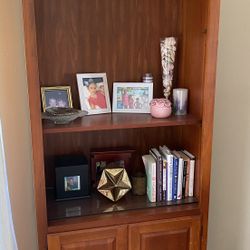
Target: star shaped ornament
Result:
[[114, 183]]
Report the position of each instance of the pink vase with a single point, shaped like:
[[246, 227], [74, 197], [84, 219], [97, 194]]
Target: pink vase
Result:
[[160, 108]]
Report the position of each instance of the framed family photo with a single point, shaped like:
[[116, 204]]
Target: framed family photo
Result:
[[54, 97], [132, 97], [94, 93]]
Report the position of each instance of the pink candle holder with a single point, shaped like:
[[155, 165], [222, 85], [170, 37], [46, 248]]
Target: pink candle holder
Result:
[[160, 108]]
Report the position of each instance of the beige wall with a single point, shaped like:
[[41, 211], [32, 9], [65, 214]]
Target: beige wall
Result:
[[14, 113], [229, 227]]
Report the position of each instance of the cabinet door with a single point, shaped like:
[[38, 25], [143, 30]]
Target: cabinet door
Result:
[[174, 234], [113, 238]]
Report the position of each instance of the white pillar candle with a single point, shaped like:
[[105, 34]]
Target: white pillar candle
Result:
[[180, 100]]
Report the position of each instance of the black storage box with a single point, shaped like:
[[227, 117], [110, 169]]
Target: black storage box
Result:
[[72, 177]]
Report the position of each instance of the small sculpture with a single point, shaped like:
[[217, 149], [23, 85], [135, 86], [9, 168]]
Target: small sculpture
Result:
[[168, 52], [114, 183]]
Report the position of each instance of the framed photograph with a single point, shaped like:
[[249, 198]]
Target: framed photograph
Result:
[[109, 158], [72, 183], [72, 177], [132, 97], [53, 97], [94, 93]]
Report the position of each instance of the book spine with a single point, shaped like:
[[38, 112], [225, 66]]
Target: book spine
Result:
[[154, 182], [159, 178], [159, 167], [184, 179], [180, 179], [175, 178], [191, 178], [164, 180], [187, 179], [169, 177]]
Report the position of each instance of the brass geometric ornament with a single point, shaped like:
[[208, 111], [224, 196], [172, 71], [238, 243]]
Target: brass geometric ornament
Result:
[[114, 183]]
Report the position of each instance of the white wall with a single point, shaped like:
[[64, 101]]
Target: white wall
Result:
[[14, 113], [229, 227]]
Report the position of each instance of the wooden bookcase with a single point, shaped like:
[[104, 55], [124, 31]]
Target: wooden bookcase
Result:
[[121, 38]]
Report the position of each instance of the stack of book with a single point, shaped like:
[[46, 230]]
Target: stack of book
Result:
[[170, 174]]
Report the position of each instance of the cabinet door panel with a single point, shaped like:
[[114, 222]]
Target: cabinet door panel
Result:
[[175, 234], [113, 238]]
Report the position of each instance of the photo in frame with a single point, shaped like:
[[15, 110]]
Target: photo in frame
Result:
[[94, 93], [109, 158], [72, 177], [54, 97], [132, 97]]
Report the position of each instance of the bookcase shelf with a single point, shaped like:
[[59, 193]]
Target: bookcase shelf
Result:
[[118, 121], [96, 204]]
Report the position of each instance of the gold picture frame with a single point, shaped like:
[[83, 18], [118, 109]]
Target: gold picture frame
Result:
[[62, 97]]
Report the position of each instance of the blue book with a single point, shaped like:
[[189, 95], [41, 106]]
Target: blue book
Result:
[[175, 177]]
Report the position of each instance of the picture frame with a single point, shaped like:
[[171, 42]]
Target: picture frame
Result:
[[132, 97], [109, 158], [94, 93], [72, 178], [58, 96]]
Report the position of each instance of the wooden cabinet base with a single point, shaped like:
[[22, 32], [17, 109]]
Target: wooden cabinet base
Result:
[[113, 238], [172, 234], [176, 234]]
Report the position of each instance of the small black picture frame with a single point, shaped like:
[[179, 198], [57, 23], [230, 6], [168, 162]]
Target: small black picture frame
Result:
[[72, 178]]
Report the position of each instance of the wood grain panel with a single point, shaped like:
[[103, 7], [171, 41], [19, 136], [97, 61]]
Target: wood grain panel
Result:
[[178, 240], [176, 234], [211, 17], [112, 238], [118, 121], [119, 37], [35, 119], [192, 53]]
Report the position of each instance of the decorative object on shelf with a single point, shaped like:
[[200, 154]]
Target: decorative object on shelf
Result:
[[109, 158], [139, 184], [62, 115], [160, 108], [148, 78], [114, 183], [168, 52], [53, 97], [132, 97], [180, 100], [72, 177], [94, 93]]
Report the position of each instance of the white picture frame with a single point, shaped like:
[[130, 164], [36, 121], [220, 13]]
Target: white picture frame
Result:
[[99, 101], [132, 97]]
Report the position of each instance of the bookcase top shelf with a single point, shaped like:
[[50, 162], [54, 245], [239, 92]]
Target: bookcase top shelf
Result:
[[118, 121]]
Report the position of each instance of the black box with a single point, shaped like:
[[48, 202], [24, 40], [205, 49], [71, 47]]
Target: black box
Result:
[[72, 177]]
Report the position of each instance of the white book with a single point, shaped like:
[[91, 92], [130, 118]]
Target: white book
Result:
[[169, 158], [180, 175], [150, 168], [191, 173]]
